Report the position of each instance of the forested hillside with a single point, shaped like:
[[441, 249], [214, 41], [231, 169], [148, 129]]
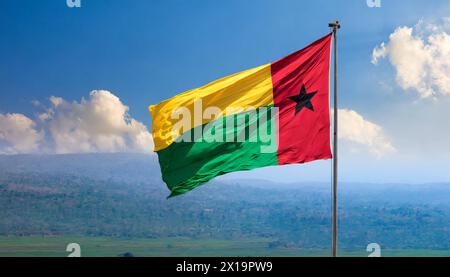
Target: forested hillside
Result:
[[92, 197]]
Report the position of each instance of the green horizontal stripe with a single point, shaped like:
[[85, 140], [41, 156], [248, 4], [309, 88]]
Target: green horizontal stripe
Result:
[[186, 165]]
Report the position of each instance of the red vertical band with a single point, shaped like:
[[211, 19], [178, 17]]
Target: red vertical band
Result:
[[304, 116]]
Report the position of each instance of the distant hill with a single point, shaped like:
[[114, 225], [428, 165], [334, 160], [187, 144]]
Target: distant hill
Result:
[[122, 195], [116, 166]]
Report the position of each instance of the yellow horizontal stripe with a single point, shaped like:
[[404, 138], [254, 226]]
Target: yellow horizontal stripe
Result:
[[249, 88]]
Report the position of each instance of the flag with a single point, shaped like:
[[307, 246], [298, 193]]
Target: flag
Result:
[[274, 114]]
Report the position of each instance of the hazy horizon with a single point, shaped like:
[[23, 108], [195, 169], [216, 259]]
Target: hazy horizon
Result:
[[145, 163]]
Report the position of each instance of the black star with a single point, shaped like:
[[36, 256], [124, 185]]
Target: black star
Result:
[[303, 100]]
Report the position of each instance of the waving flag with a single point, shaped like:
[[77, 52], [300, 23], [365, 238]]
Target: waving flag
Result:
[[274, 114]]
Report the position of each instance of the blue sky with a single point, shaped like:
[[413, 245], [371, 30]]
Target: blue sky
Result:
[[146, 51]]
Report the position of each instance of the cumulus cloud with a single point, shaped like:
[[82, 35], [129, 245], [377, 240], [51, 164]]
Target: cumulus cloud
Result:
[[18, 134], [100, 123], [356, 129], [420, 56]]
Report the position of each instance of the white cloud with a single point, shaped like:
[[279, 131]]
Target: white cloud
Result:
[[56, 101], [100, 123], [18, 134], [379, 52], [420, 56], [356, 129]]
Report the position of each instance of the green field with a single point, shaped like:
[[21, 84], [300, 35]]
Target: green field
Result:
[[54, 246]]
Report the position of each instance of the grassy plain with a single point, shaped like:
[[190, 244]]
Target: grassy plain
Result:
[[55, 246]]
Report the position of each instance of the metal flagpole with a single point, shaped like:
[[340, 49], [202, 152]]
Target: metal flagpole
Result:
[[335, 25]]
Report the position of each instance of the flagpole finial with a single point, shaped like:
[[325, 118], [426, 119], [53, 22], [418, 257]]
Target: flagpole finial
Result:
[[335, 24]]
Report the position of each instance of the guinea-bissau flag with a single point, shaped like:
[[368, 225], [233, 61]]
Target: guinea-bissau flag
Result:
[[291, 98]]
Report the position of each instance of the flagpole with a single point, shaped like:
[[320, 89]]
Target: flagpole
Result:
[[335, 25]]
